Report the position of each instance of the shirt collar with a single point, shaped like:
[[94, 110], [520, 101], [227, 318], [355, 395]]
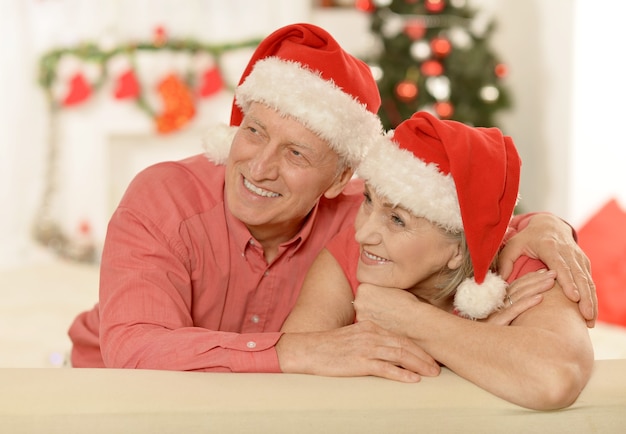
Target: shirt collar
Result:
[[242, 237]]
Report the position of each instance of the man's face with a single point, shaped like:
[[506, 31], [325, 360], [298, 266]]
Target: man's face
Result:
[[276, 171]]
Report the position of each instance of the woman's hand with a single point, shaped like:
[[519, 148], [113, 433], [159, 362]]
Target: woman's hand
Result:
[[522, 294], [387, 307]]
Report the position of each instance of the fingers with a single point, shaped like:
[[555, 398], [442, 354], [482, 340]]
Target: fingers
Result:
[[355, 350], [531, 284], [401, 363], [510, 311], [574, 276], [389, 352]]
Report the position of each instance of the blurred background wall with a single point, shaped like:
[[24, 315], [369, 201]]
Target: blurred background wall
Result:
[[564, 75]]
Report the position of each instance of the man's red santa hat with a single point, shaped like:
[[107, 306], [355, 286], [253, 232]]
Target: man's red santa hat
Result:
[[462, 179], [301, 71]]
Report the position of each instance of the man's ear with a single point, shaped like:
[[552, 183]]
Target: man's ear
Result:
[[339, 183]]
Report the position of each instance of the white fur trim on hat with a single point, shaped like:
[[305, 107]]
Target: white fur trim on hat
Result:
[[216, 142], [319, 104], [408, 182], [477, 301]]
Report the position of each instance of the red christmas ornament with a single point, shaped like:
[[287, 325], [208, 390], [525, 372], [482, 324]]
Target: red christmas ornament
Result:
[[406, 91], [84, 228], [501, 70], [440, 47], [434, 6], [80, 90], [160, 36], [431, 68], [178, 105], [365, 5], [415, 29], [444, 110], [211, 82], [127, 86]]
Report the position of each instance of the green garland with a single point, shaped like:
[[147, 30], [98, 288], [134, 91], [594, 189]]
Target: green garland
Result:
[[46, 230], [92, 53]]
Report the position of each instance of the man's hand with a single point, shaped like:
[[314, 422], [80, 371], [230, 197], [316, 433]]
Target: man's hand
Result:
[[356, 350], [549, 239]]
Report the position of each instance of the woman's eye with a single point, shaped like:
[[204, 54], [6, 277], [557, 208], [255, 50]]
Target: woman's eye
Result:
[[397, 220]]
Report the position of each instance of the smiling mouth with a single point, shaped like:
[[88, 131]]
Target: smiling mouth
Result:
[[374, 257], [258, 191]]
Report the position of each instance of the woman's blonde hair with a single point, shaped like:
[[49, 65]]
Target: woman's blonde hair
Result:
[[454, 277]]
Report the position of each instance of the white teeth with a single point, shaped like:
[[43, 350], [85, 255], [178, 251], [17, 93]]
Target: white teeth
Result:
[[374, 257], [256, 190]]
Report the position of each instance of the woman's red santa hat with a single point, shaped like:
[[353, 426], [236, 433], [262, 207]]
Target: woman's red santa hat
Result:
[[301, 71], [461, 178]]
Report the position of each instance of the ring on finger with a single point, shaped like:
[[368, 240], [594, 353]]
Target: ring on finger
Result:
[[508, 297]]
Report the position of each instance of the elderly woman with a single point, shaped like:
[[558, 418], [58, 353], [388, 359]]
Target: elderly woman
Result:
[[421, 258]]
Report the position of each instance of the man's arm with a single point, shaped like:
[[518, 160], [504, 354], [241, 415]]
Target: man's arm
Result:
[[548, 238]]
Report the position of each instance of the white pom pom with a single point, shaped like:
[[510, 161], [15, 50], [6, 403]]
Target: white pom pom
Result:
[[216, 142], [478, 301]]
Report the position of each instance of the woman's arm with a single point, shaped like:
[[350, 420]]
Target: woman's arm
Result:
[[325, 301], [542, 361]]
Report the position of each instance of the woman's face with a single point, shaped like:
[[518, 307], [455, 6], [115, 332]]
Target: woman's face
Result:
[[399, 249]]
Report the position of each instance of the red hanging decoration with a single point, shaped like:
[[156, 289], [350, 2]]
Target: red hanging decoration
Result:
[[406, 91], [211, 82], [127, 86], [501, 70], [365, 5], [440, 47], [160, 36], [415, 29], [444, 110], [178, 105], [434, 6], [80, 90], [431, 68]]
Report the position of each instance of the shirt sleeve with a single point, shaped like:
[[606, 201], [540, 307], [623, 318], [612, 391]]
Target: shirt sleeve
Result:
[[524, 265], [519, 222], [146, 302]]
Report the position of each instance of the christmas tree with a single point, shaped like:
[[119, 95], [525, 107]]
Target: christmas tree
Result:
[[434, 55]]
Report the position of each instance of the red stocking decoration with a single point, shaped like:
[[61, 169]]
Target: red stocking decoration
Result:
[[211, 82], [127, 86], [80, 90], [178, 105]]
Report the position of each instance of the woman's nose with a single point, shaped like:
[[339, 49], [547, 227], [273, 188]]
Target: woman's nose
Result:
[[366, 228]]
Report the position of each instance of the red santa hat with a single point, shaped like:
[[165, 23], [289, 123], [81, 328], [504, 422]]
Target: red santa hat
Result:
[[301, 71], [459, 177]]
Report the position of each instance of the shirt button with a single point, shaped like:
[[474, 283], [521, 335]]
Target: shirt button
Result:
[[267, 273], [255, 319], [251, 344]]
